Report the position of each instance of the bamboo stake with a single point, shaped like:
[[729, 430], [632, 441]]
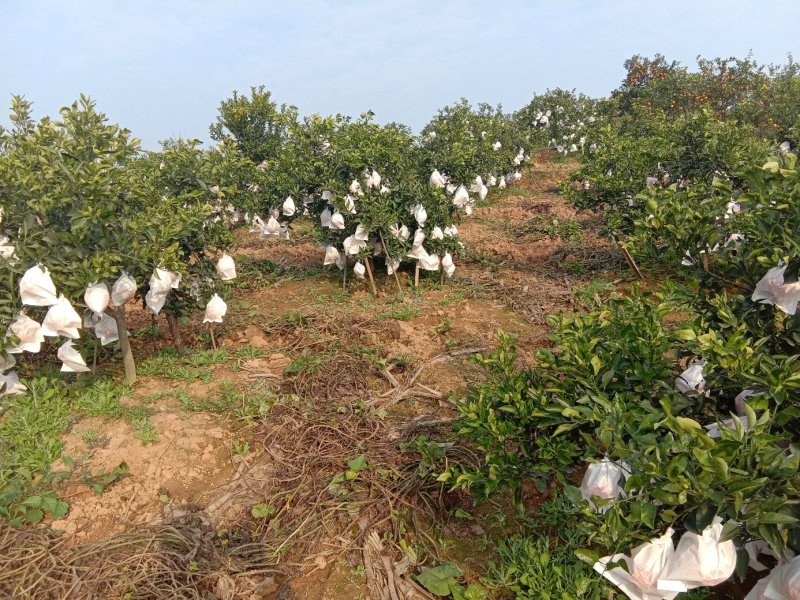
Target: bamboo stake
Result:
[[124, 343], [344, 280], [629, 260], [211, 327], [367, 262], [389, 258], [416, 275]]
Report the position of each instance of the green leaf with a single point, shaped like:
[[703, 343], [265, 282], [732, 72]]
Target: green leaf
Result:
[[438, 580], [686, 334], [776, 518], [358, 464]]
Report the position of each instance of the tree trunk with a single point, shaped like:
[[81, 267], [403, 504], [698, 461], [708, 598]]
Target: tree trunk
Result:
[[124, 343], [172, 321]]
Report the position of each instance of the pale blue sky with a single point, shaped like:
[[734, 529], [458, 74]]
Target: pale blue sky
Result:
[[160, 68]]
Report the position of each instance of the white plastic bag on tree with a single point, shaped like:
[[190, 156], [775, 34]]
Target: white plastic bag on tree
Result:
[[497, 146], [430, 263], [373, 180], [418, 252], [124, 289], [447, 265], [36, 288], [461, 197], [352, 245], [691, 380], [341, 261], [437, 180], [355, 188], [350, 204], [257, 225], [476, 185], [359, 270], [10, 384], [645, 565], [437, 233], [337, 221], [784, 581], [325, 218], [771, 289], [715, 429], [392, 266], [331, 256], [7, 250], [502, 184], [106, 330], [420, 214], [62, 319], [272, 228], [361, 234], [90, 319], [97, 297], [400, 232], [226, 268], [699, 560], [604, 480], [758, 590], [288, 207], [215, 310], [483, 192], [29, 333], [385, 190], [419, 237], [72, 360], [492, 181], [451, 231], [161, 282], [450, 188], [327, 195]]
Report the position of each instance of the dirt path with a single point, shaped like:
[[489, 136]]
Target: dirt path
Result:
[[297, 348]]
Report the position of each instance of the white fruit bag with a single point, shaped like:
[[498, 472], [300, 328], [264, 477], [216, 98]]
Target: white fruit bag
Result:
[[7, 250], [604, 480], [359, 270], [325, 218], [226, 267], [355, 187], [430, 263], [123, 290], [331, 256], [784, 581], [337, 221], [10, 384], [352, 245], [392, 266], [644, 567], [400, 232], [476, 185], [62, 319], [361, 234], [447, 265], [699, 560], [437, 180], [271, 228], [450, 188], [492, 181], [757, 592], [36, 288], [420, 214], [106, 330], [691, 380], [419, 237], [96, 297], [502, 184], [288, 207], [461, 197], [29, 333], [451, 231], [160, 284], [72, 359], [483, 192], [215, 310], [350, 204], [437, 233]]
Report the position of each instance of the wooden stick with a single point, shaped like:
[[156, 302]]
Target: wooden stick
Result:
[[367, 262], [389, 259], [344, 276], [441, 274], [630, 261], [213, 339], [416, 275], [172, 321]]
